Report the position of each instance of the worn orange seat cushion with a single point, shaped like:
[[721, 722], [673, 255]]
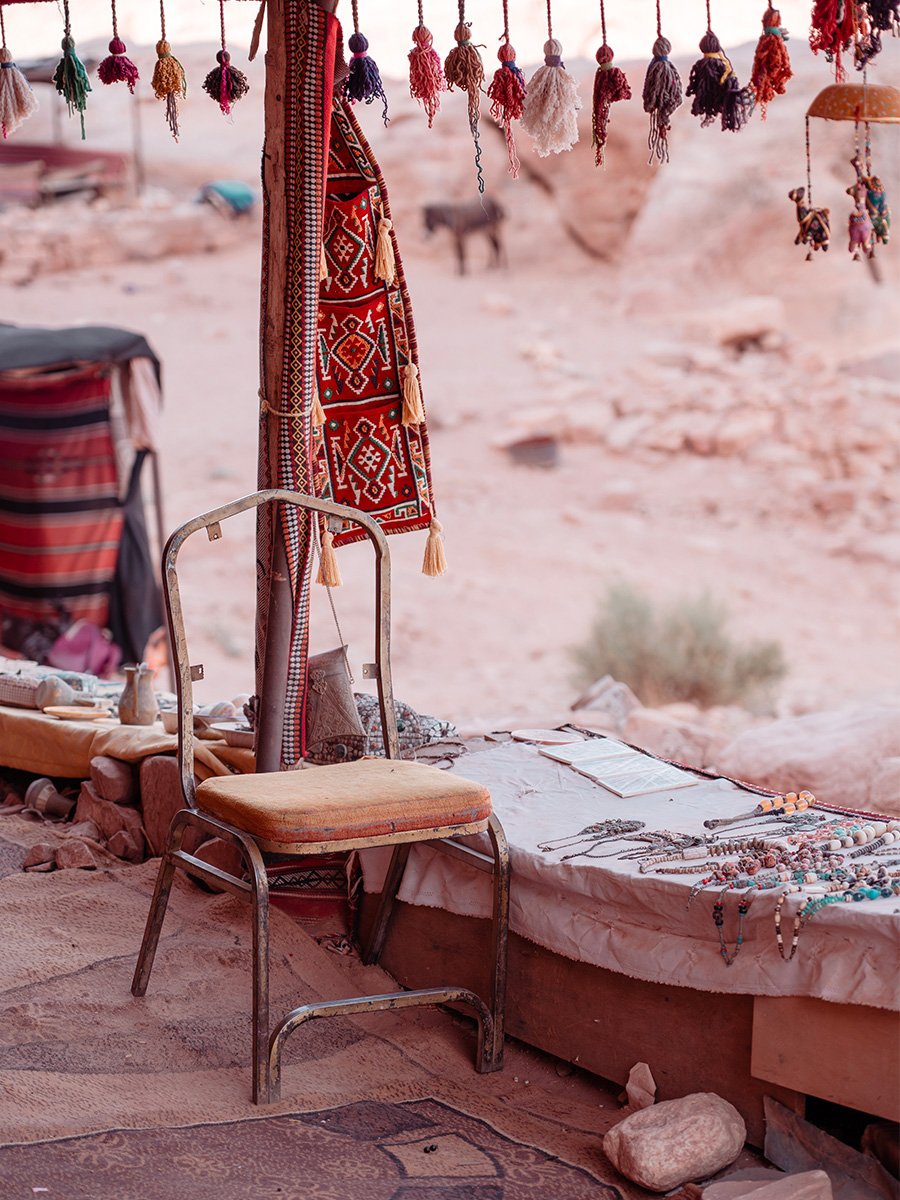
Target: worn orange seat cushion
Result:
[[370, 798]]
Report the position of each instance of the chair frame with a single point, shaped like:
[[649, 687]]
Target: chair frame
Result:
[[268, 1048]]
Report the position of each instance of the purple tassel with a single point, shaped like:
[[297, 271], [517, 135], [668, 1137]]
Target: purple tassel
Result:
[[364, 80], [118, 68]]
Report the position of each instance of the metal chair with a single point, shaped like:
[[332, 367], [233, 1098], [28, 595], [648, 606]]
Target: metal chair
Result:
[[371, 802]]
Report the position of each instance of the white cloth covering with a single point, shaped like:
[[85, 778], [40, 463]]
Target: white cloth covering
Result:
[[603, 911]]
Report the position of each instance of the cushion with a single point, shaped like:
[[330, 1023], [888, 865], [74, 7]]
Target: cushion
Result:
[[370, 798]]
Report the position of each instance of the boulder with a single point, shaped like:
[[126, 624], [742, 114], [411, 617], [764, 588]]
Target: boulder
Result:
[[75, 853], [843, 757], [108, 817], [113, 779], [670, 738], [807, 1185], [221, 854], [609, 696], [161, 799], [40, 852], [123, 845], [676, 1141]]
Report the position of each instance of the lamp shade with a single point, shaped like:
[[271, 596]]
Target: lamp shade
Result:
[[876, 103]]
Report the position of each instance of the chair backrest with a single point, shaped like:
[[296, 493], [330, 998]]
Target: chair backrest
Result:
[[186, 673]]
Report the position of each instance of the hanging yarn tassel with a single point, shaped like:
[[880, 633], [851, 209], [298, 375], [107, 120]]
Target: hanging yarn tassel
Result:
[[714, 85], [225, 84], [884, 15], [70, 78], [17, 100], [329, 574], [363, 81], [552, 102], [426, 75], [169, 80], [507, 94], [662, 93], [610, 85], [464, 69], [435, 562], [831, 31], [771, 62], [385, 262], [413, 411], [118, 67]]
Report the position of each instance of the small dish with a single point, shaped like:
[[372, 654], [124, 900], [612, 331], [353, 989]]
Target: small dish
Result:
[[236, 734], [68, 712]]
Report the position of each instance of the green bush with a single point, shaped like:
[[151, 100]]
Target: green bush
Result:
[[683, 652]]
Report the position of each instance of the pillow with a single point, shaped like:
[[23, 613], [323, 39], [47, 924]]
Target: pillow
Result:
[[334, 732]]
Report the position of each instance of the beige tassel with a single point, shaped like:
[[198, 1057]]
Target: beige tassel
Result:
[[413, 412], [385, 267], [318, 412], [435, 559], [329, 572], [323, 265]]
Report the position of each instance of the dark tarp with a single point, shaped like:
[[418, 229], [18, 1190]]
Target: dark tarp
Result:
[[29, 347]]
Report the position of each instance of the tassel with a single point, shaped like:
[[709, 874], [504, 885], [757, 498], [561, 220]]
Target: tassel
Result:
[[169, 83], [17, 100], [426, 75], [715, 87], [118, 68], [435, 562], [610, 85], [464, 69], [831, 31], [329, 574], [413, 411], [662, 95], [771, 62], [70, 78], [884, 15], [385, 263], [552, 104], [317, 417], [225, 84], [507, 97], [323, 265], [364, 79]]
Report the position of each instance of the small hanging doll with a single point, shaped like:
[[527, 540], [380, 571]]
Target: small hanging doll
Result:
[[610, 85], [225, 83], [552, 102], [872, 191], [118, 67], [426, 75], [169, 82], [363, 80], [70, 78], [464, 69], [507, 93], [17, 100], [771, 62], [715, 87], [662, 93]]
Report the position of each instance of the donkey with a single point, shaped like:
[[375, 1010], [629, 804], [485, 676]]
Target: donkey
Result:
[[474, 216], [815, 224]]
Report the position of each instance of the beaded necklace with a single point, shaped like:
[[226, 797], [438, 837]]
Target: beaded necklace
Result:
[[718, 915], [600, 831]]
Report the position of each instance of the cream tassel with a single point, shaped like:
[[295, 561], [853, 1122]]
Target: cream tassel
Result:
[[385, 266], [435, 559], [323, 265], [329, 572], [318, 412], [413, 412]]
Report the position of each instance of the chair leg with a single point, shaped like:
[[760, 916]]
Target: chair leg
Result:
[[493, 1054], [379, 933], [261, 1090], [159, 903]]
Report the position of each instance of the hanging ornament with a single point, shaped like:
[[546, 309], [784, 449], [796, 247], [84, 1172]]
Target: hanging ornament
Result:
[[771, 62], [715, 87], [118, 67], [426, 75], [363, 80], [507, 93], [610, 85], [884, 15], [662, 93], [464, 69], [169, 82], [225, 84], [831, 31], [875, 197], [552, 102], [17, 100], [70, 78]]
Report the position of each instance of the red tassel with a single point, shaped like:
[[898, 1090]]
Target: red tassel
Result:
[[771, 62], [507, 97], [118, 67], [610, 85], [426, 74], [831, 31]]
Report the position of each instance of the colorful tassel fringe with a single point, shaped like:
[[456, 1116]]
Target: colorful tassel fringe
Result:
[[771, 62], [435, 562], [329, 573], [169, 83], [17, 100], [552, 104], [426, 75], [610, 85], [507, 96], [363, 81], [464, 69], [71, 81], [662, 95]]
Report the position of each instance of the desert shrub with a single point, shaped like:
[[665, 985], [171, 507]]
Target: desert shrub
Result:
[[681, 652]]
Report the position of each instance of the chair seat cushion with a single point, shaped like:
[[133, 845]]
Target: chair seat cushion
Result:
[[369, 798]]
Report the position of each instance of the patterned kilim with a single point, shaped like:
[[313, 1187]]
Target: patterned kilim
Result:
[[60, 517], [284, 458], [363, 455]]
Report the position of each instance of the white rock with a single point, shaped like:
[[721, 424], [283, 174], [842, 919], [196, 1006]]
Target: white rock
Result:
[[676, 1141]]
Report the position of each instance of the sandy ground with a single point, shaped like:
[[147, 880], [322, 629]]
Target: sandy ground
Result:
[[554, 337]]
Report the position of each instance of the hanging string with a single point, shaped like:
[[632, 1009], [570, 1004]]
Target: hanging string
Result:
[[610, 85], [225, 83], [464, 69], [118, 67], [17, 100], [70, 77], [426, 74], [809, 195], [363, 80], [169, 81], [507, 93]]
